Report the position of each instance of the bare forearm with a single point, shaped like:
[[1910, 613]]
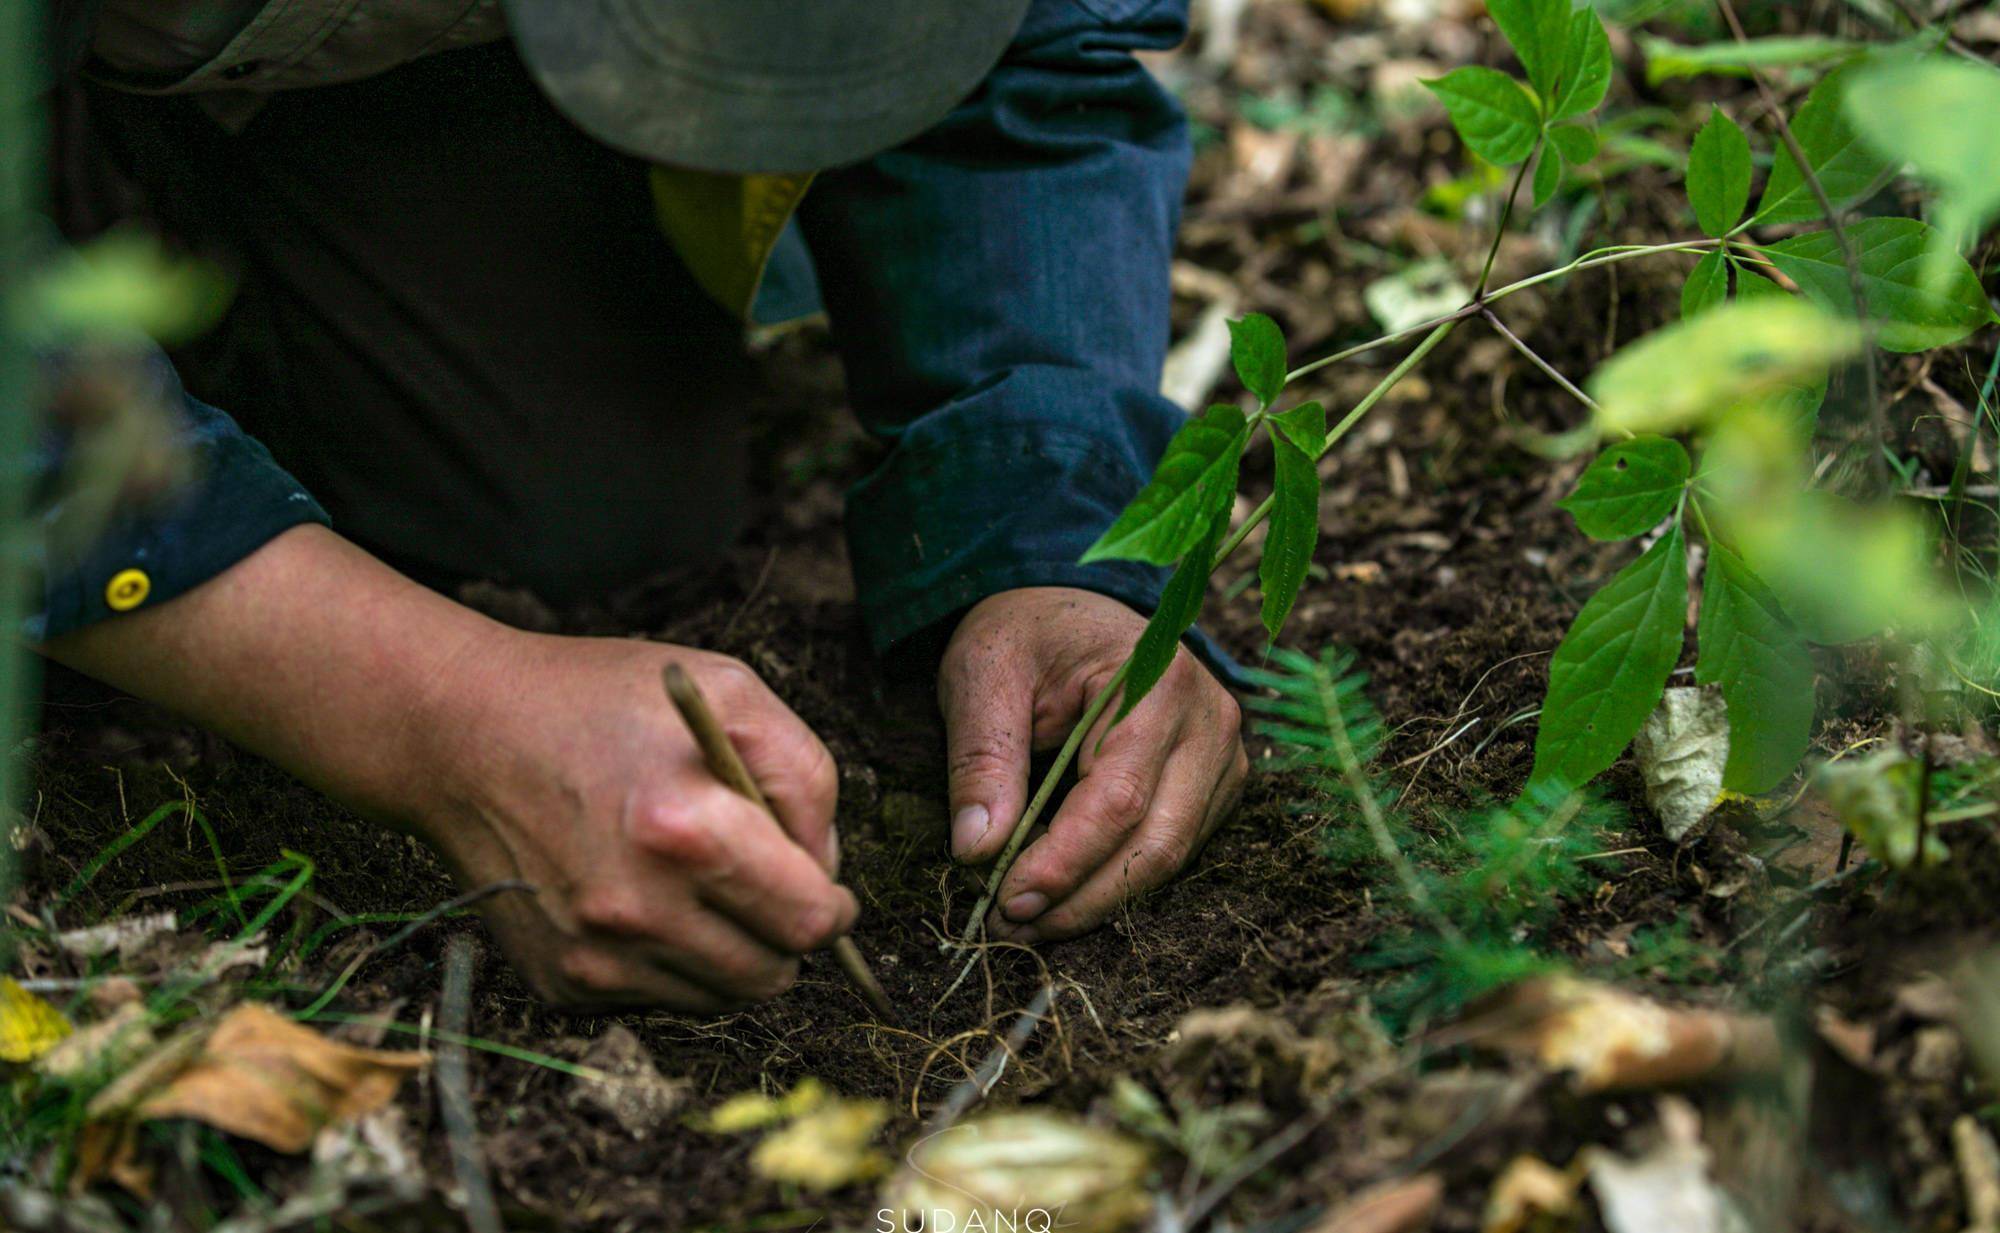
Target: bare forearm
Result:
[[309, 652]]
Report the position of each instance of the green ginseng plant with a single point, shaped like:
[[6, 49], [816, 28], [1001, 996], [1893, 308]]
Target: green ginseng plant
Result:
[[1743, 375]]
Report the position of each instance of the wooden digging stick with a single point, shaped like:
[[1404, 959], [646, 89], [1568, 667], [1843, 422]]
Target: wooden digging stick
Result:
[[727, 766]]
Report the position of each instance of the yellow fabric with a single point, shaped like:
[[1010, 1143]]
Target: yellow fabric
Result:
[[724, 226]]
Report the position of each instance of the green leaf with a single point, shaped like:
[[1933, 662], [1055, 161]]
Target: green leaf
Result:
[[1180, 604], [1491, 112], [1548, 175], [120, 284], [1538, 30], [1707, 285], [1257, 349], [1297, 438], [1577, 143], [1195, 480], [1680, 376], [1917, 110], [1846, 166], [1628, 488], [1718, 177], [1748, 646], [1612, 666], [1305, 424], [1586, 73], [1912, 311], [1666, 60], [1753, 285]]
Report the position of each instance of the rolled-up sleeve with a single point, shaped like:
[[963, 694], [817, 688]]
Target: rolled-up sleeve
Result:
[[999, 290], [233, 499]]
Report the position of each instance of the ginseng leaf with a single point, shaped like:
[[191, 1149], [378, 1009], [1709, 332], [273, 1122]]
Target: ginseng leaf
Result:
[[1707, 285], [1548, 175], [1491, 112], [1750, 648], [1629, 488], [1296, 440], [1586, 72], [1913, 310], [1180, 604], [1718, 176], [1845, 165], [1612, 666], [1578, 144], [1257, 350], [1195, 480], [1538, 30]]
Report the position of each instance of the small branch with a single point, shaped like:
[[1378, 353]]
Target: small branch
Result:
[[1546, 367], [455, 1088], [1855, 287]]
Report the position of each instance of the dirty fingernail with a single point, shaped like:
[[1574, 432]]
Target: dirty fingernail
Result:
[[1025, 907], [969, 827]]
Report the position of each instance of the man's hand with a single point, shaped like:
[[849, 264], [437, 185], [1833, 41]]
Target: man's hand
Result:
[[558, 761], [1019, 671], [563, 765]]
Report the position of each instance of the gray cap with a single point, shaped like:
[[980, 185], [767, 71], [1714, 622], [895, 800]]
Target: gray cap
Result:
[[759, 85]]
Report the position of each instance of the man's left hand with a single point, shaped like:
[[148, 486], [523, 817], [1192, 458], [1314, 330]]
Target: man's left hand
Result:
[[1018, 672]]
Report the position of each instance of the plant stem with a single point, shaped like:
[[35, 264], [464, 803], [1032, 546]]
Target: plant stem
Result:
[[1855, 288], [1506, 212], [1363, 791], [1538, 361], [1589, 260], [1095, 710]]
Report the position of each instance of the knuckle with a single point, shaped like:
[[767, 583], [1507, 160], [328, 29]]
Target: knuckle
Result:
[[1123, 794], [981, 757], [672, 830], [810, 926], [611, 911], [586, 974], [730, 676], [769, 980]]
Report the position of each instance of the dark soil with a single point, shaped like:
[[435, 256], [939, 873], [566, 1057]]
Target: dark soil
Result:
[[1449, 573]]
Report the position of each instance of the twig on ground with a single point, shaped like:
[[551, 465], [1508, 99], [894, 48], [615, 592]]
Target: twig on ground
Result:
[[455, 1088]]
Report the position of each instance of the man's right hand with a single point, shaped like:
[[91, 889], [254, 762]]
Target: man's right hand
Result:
[[658, 885], [558, 761]]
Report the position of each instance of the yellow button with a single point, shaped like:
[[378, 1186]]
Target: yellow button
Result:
[[127, 589]]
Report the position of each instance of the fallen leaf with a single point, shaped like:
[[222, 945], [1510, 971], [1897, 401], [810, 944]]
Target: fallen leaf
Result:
[[122, 935], [1668, 1188], [756, 1110], [1681, 750], [29, 1026], [1402, 1205], [830, 1147], [625, 1085], [103, 1048], [1979, 1173], [263, 1077], [1530, 1193], [1610, 1040], [1012, 1165]]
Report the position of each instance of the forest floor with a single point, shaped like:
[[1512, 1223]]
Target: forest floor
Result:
[[1258, 982]]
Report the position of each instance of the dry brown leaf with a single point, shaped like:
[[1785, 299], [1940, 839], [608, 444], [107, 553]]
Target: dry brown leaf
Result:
[[104, 1048], [1611, 1040], [264, 1077], [1403, 1205], [1530, 1193]]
